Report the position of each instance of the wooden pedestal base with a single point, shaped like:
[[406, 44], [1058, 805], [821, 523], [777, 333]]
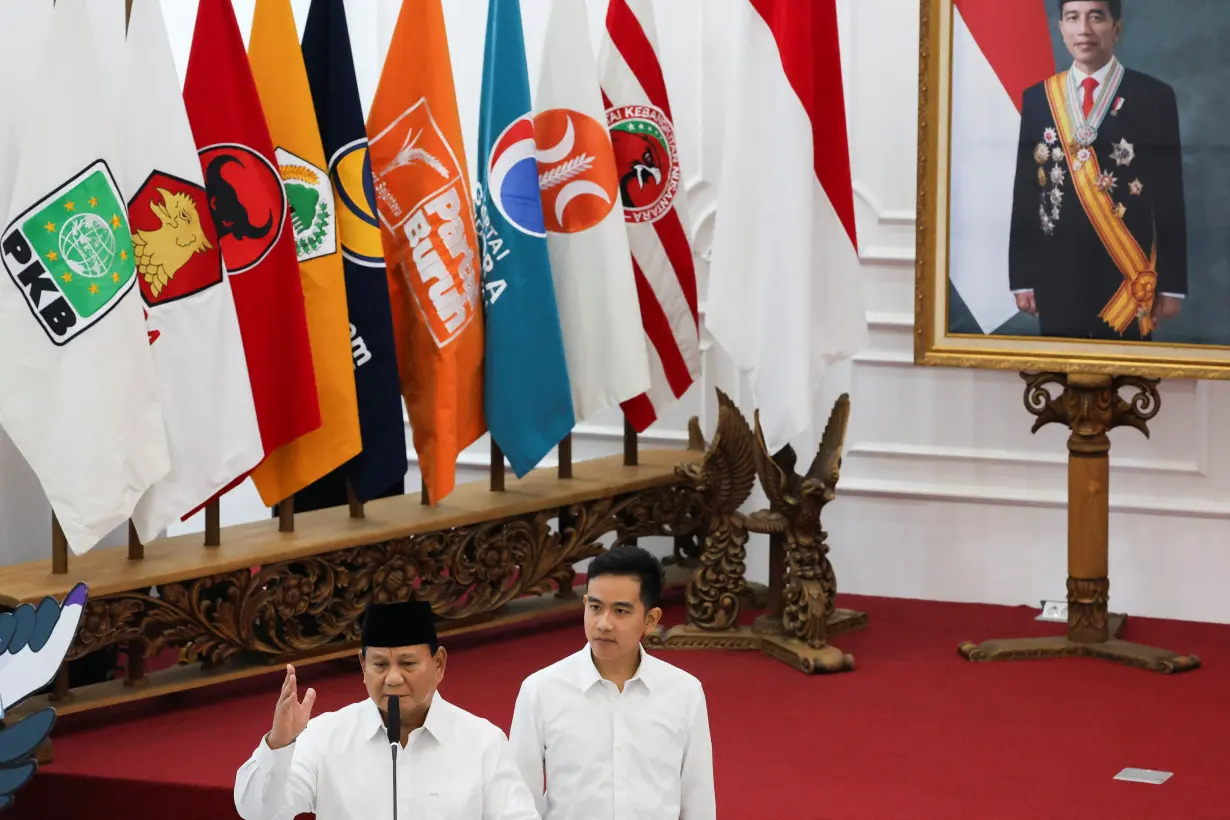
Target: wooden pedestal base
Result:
[[1061, 646], [687, 636], [768, 636], [842, 620], [804, 658], [1091, 406]]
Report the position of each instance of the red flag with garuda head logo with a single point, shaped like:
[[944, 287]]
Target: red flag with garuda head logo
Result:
[[430, 246], [638, 114], [249, 209]]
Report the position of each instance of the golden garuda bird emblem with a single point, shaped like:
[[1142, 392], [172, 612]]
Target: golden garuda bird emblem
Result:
[[161, 253]]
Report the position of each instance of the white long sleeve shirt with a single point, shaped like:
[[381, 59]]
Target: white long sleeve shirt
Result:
[[457, 766], [641, 754]]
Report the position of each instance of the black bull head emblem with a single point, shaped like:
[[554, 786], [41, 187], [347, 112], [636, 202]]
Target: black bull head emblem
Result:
[[230, 215]]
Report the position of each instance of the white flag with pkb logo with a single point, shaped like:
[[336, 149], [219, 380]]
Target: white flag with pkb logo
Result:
[[79, 396]]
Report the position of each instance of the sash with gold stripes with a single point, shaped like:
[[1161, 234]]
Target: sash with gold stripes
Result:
[[1134, 298]]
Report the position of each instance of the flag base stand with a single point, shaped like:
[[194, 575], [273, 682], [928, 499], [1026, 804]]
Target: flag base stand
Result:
[[1090, 405], [800, 614]]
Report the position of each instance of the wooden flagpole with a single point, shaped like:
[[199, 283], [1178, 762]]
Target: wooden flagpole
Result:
[[136, 550], [59, 548], [356, 506], [630, 441], [213, 524], [565, 457], [497, 468], [286, 514]]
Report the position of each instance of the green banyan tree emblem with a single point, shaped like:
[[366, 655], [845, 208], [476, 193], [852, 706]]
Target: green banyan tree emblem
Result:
[[310, 197]]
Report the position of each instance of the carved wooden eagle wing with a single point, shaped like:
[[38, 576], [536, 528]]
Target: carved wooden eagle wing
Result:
[[730, 463], [826, 466], [776, 473]]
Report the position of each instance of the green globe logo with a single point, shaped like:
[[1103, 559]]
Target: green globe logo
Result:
[[87, 244]]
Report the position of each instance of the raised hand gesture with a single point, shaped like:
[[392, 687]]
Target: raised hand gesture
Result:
[[292, 715]]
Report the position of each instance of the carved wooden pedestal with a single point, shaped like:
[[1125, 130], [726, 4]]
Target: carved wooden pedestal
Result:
[[799, 601], [1091, 406]]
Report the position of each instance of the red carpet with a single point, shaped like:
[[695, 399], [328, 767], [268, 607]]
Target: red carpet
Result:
[[914, 732]]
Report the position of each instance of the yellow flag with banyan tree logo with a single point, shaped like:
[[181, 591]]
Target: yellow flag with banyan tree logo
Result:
[[281, 80]]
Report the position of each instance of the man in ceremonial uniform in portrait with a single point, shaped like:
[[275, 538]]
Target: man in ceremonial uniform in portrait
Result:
[[1098, 246]]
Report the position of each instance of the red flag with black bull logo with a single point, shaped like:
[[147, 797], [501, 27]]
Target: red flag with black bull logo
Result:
[[249, 208]]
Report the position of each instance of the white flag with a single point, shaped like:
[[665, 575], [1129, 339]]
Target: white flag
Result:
[[604, 342], [194, 330], [80, 398], [23, 32], [785, 299]]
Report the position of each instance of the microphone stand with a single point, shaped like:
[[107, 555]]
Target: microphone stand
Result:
[[393, 726], [394, 746]]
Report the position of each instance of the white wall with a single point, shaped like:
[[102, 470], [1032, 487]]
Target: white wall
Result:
[[944, 493]]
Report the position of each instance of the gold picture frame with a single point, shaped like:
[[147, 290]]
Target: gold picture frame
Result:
[[934, 343]]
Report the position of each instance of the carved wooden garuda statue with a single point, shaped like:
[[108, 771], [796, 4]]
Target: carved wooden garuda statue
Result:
[[795, 503]]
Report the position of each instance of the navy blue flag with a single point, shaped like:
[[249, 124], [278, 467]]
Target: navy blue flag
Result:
[[380, 468], [525, 378]]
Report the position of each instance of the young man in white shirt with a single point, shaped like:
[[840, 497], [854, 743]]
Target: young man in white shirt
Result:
[[615, 733], [451, 764]]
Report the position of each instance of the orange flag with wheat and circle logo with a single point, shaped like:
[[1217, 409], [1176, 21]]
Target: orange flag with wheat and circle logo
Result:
[[427, 226]]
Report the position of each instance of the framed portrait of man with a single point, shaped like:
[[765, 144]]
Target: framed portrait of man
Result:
[[1074, 186]]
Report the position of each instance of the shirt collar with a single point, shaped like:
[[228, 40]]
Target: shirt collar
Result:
[[438, 722], [588, 674], [1100, 75]]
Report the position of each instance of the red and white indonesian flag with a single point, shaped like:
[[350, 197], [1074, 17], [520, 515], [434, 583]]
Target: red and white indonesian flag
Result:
[[785, 299], [591, 264], [651, 189], [999, 49], [193, 328]]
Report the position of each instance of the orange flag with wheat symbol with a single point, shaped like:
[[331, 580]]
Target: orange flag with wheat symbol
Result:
[[427, 225]]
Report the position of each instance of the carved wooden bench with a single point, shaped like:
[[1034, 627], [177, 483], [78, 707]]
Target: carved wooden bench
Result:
[[264, 597]]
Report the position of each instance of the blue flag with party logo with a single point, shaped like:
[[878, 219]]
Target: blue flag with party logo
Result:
[[527, 396], [380, 467]]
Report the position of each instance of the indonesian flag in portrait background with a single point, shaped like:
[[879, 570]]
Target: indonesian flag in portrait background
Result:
[[427, 223], [785, 298], [591, 263], [651, 189], [249, 209], [999, 50], [193, 328]]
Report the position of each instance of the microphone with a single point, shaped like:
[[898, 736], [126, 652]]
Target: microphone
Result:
[[393, 726], [393, 723]]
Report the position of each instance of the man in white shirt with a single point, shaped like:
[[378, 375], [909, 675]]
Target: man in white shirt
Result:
[[616, 733], [455, 765]]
